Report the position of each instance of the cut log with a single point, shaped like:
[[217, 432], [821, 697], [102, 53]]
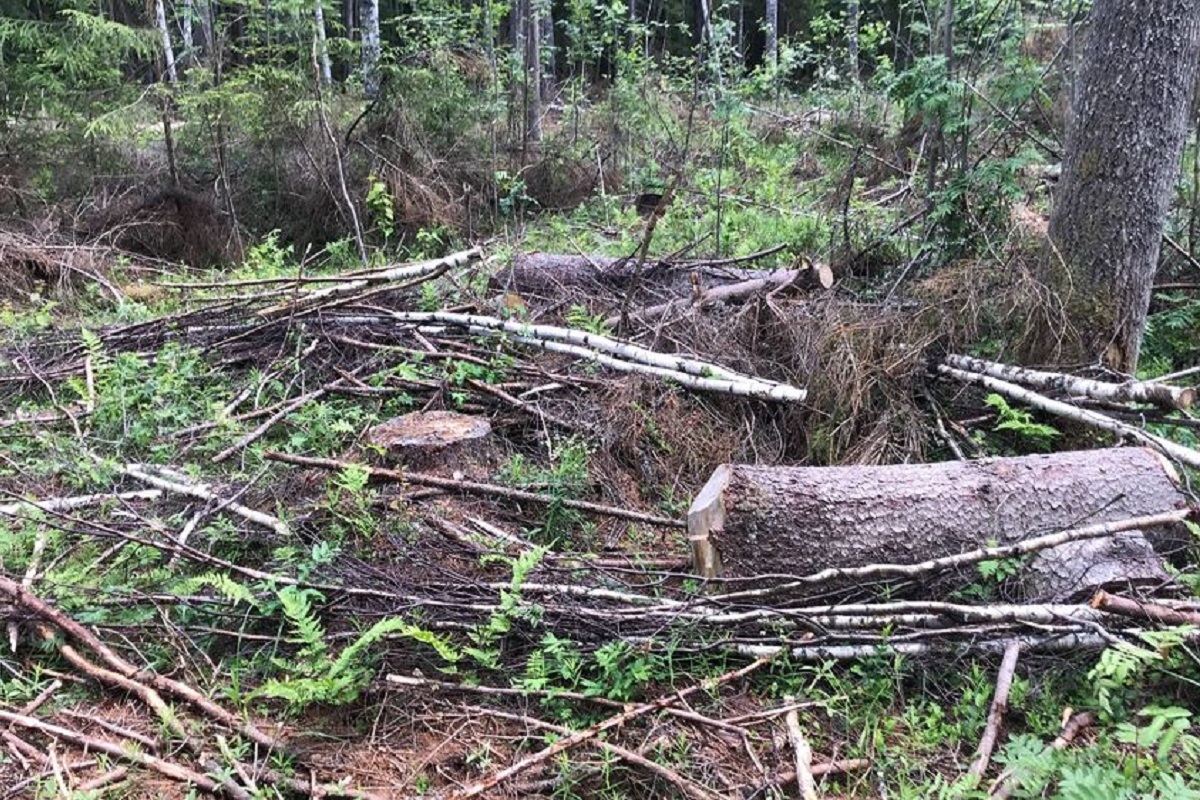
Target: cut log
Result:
[[754, 520], [437, 442], [550, 274]]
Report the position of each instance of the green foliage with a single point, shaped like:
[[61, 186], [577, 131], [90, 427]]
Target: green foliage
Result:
[[314, 674], [488, 638], [1020, 423], [137, 402], [566, 478]]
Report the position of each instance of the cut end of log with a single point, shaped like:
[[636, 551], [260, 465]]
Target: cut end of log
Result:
[[707, 515], [818, 276]]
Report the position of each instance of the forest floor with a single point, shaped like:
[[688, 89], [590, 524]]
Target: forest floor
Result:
[[501, 617]]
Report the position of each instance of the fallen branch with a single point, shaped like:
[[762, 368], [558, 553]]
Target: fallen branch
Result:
[[471, 487], [686, 786], [1137, 609], [567, 742], [1171, 397], [79, 501], [1184, 455], [803, 754], [815, 276], [22, 598], [179, 484], [595, 346], [1007, 783], [1004, 679], [122, 752], [423, 269]]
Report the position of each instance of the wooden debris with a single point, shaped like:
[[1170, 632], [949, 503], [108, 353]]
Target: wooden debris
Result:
[[1160, 394], [991, 732], [439, 442], [750, 520]]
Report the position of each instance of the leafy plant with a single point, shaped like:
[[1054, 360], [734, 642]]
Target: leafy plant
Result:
[[1021, 424], [314, 673]]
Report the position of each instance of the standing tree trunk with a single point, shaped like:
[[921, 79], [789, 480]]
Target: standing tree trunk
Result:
[[370, 48], [771, 29], [160, 19], [548, 65], [533, 71], [319, 42], [1124, 140], [852, 39], [185, 24]]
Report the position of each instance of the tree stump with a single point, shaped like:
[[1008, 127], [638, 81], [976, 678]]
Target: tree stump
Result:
[[437, 442], [753, 520]]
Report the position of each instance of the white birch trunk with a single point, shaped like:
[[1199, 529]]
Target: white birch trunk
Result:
[[322, 47], [185, 25], [370, 48], [533, 71], [771, 25], [852, 38], [160, 19]]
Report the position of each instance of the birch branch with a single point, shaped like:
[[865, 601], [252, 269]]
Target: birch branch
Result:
[[803, 754], [591, 341], [1184, 455], [1171, 397], [403, 272], [60, 504], [204, 492]]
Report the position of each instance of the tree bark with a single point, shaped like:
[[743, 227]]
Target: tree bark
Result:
[[533, 70], [1124, 141], [185, 24], [771, 26], [755, 520], [852, 39], [160, 19], [322, 47], [370, 48]]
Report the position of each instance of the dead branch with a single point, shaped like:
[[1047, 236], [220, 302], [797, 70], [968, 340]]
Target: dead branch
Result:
[[816, 276], [803, 754], [1185, 455], [471, 487], [78, 501], [170, 481], [1170, 397], [613, 353], [1004, 679], [1143, 610], [688, 787], [1007, 783], [129, 755], [567, 742], [271, 421], [35, 605]]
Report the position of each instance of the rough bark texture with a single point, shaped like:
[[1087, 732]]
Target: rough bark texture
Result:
[[320, 43], [799, 520], [370, 48], [1124, 139], [771, 25]]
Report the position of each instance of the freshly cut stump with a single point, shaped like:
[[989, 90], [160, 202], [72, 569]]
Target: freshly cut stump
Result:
[[755, 520], [441, 442]]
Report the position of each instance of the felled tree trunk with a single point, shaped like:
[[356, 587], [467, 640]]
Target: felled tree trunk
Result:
[[754, 520]]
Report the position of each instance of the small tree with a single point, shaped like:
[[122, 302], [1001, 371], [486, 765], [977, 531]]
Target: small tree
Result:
[[1124, 141]]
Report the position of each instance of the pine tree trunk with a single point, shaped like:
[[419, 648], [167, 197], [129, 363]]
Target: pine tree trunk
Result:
[[771, 24], [370, 48], [160, 19], [322, 47], [1124, 141]]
